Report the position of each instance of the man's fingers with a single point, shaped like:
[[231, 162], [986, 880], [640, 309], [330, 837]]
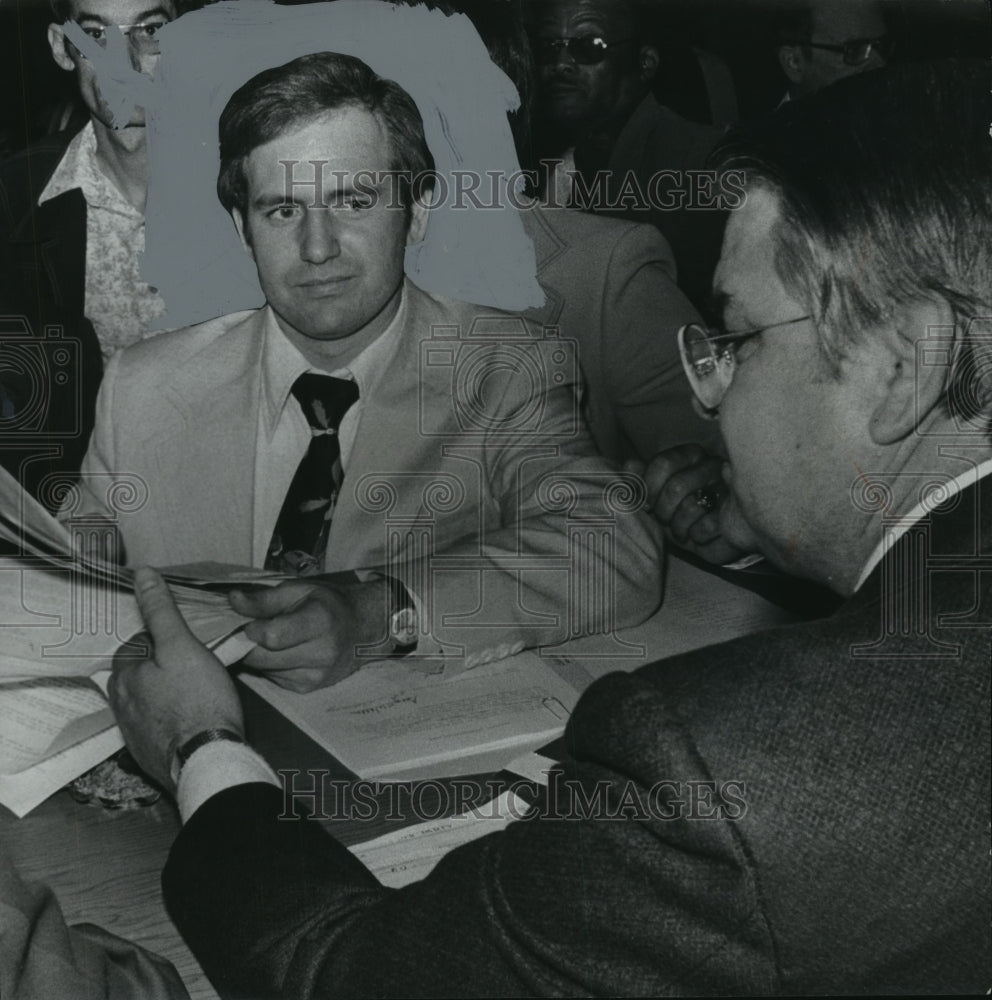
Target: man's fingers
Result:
[[266, 602], [285, 670], [308, 620], [667, 464], [158, 609], [681, 492]]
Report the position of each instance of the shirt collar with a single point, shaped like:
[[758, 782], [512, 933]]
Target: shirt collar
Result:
[[941, 494], [283, 364], [79, 169]]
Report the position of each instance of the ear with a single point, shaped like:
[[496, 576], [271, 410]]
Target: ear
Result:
[[790, 58], [418, 222], [648, 60], [910, 389], [242, 227], [56, 42]]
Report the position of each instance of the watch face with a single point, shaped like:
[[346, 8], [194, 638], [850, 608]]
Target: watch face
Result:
[[403, 626]]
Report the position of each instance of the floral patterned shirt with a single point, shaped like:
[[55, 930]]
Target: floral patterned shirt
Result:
[[118, 303]]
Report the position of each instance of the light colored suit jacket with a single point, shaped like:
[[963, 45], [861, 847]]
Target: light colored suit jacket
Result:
[[610, 286], [471, 477]]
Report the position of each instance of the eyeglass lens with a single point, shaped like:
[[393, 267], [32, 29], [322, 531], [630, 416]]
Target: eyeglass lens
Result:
[[709, 366]]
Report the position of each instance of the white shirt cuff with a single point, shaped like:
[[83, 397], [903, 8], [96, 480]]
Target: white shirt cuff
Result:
[[214, 767]]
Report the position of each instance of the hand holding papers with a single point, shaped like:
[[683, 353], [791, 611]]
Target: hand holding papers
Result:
[[161, 703], [62, 619]]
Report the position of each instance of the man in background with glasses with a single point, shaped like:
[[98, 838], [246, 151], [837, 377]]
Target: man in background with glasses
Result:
[[801, 811], [623, 153], [72, 226], [827, 40]]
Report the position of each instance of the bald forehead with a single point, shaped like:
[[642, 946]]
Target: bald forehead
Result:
[[609, 17]]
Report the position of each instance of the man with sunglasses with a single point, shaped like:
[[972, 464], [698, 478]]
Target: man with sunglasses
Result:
[[623, 153], [802, 811], [828, 40], [72, 228]]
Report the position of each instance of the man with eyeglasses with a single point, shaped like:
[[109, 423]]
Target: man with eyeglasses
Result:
[[827, 40], [802, 811], [623, 153], [72, 228]]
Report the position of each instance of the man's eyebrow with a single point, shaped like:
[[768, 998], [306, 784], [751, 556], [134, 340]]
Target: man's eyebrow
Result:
[[273, 200]]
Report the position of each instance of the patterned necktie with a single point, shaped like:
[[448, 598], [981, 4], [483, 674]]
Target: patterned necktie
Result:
[[300, 537]]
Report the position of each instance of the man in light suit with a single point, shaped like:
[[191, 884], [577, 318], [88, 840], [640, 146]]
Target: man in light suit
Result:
[[466, 469], [610, 284], [800, 811]]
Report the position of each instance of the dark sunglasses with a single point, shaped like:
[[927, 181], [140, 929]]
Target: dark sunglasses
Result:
[[857, 51], [584, 50]]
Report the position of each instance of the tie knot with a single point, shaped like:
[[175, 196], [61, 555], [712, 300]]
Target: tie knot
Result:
[[324, 398]]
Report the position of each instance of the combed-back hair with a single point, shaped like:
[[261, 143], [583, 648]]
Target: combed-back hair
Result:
[[884, 183], [279, 99]]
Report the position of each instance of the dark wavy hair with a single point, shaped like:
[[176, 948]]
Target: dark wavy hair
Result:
[[277, 99]]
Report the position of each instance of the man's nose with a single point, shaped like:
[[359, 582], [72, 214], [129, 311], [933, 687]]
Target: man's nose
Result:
[[141, 62], [560, 60], [319, 241]]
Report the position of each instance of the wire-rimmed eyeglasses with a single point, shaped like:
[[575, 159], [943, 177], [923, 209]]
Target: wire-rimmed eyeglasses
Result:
[[709, 357]]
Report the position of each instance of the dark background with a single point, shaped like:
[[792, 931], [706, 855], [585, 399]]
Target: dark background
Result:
[[39, 98]]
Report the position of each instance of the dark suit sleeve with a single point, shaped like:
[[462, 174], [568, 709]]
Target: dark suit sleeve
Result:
[[623, 904]]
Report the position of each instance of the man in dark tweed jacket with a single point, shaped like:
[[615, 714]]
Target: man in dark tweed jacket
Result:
[[804, 810]]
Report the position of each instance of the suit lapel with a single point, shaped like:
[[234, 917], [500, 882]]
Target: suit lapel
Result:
[[205, 461], [390, 445]]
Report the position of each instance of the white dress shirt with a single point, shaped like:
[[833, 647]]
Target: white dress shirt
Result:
[[283, 431], [921, 510]]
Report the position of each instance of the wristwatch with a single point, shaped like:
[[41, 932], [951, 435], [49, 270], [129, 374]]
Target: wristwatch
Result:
[[201, 739], [403, 619]]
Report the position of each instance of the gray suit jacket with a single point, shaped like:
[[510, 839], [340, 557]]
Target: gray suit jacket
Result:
[[471, 476], [610, 286], [801, 811]]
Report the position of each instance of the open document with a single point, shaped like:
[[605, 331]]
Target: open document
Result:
[[391, 722]]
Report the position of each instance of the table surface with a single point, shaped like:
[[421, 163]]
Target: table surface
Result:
[[105, 866]]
